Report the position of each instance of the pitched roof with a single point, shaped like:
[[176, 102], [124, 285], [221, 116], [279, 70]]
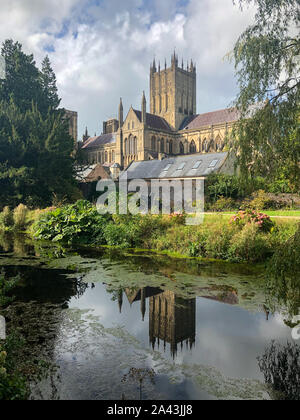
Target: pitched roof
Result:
[[100, 140], [187, 166], [154, 121], [210, 118]]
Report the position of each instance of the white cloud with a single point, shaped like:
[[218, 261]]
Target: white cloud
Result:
[[115, 42]]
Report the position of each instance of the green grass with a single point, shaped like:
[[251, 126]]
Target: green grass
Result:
[[272, 213]]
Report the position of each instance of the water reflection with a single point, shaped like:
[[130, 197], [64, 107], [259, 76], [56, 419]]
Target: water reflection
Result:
[[280, 365], [176, 305]]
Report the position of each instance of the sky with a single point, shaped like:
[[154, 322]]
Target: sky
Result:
[[101, 50]]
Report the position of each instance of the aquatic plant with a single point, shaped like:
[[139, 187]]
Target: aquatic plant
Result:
[[6, 219], [6, 285], [79, 222], [19, 216]]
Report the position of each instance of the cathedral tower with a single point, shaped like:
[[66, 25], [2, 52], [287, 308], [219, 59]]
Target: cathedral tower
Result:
[[173, 91]]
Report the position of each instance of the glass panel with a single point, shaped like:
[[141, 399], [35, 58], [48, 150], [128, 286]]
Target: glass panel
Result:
[[181, 166], [213, 163], [167, 167], [197, 164]]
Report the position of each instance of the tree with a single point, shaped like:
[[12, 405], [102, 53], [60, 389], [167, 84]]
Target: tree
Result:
[[48, 83], [267, 60], [35, 146], [21, 84]]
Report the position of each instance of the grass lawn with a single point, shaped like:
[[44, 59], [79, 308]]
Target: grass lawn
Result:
[[272, 213], [280, 217]]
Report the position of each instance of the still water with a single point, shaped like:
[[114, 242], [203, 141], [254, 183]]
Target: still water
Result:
[[95, 315]]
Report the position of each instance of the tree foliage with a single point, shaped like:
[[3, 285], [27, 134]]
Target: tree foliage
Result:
[[35, 146], [267, 60]]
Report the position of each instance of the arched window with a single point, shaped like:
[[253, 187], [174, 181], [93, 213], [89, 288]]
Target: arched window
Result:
[[167, 102], [171, 147], [130, 144], [181, 148], [162, 145], [153, 143], [135, 145], [106, 157], [126, 147], [109, 157], [193, 148], [113, 156], [204, 145], [219, 144]]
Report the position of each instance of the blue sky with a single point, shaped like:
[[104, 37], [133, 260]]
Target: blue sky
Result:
[[101, 49]]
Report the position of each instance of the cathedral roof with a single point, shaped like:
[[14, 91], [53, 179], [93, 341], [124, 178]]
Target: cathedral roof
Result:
[[100, 140], [210, 118], [154, 121]]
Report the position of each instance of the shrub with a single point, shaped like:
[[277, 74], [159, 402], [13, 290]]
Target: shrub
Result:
[[6, 218], [130, 231], [223, 203], [286, 259], [220, 185], [261, 201], [249, 244], [177, 218], [119, 235], [79, 222], [218, 240], [20, 214], [261, 220]]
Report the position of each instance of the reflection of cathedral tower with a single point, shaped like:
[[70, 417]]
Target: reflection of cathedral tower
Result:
[[172, 320]]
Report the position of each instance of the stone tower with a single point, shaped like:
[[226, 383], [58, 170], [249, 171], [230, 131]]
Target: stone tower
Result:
[[173, 91]]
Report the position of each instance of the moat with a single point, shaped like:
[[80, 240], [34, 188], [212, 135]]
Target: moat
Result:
[[96, 314]]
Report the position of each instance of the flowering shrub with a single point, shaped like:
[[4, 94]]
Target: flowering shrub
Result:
[[261, 220]]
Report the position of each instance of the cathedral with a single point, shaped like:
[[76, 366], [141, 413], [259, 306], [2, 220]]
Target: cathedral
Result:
[[172, 128]]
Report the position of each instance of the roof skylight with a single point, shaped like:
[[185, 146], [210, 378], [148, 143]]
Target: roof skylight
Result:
[[213, 163], [181, 166], [197, 164], [167, 167]]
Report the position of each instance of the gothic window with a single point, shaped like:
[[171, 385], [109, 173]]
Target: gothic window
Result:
[[132, 124], [219, 144], [167, 104], [153, 144], [193, 148], [126, 146], [130, 145], [181, 148]]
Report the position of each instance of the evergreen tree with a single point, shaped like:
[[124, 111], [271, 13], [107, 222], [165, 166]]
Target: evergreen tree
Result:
[[35, 146], [48, 83]]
